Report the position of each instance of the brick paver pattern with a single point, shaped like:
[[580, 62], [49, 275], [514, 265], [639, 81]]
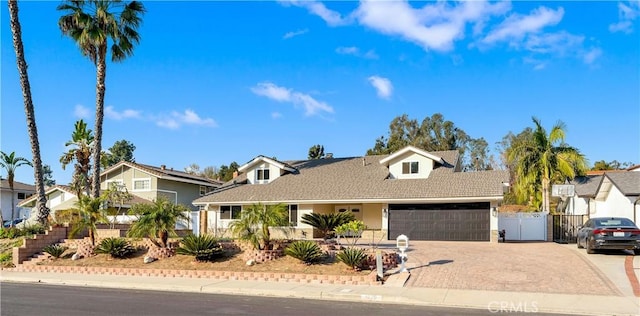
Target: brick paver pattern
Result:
[[522, 267]]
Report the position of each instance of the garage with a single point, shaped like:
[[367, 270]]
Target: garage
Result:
[[453, 221]]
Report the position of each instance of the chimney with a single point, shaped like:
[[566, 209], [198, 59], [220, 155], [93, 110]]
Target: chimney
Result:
[[163, 167], [235, 174], [364, 161]]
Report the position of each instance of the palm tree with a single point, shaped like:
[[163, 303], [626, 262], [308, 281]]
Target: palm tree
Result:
[[157, 220], [10, 162], [90, 212], [253, 225], [43, 210], [82, 141], [92, 25], [544, 158], [326, 223]]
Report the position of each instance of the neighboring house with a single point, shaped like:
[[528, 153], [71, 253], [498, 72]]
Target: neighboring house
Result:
[[149, 182], [22, 191], [609, 194], [424, 195], [634, 168], [145, 183]]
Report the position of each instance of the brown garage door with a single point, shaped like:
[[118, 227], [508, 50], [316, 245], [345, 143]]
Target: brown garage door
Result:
[[454, 222]]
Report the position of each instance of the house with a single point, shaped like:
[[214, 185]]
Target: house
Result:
[[145, 183], [608, 194], [21, 192], [424, 195]]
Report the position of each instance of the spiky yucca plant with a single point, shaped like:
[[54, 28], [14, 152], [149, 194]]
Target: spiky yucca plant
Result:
[[55, 250], [352, 257], [115, 247], [203, 248], [305, 250]]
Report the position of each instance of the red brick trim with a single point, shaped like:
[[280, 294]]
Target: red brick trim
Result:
[[631, 275], [369, 279]]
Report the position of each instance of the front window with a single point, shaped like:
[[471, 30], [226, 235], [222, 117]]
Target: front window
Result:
[[230, 211], [143, 184], [203, 190], [293, 215], [262, 174], [410, 167], [22, 195]]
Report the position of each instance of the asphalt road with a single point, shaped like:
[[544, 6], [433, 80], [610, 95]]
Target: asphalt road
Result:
[[40, 299]]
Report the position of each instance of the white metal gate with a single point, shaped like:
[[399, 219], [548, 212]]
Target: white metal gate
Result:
[[523, 226]]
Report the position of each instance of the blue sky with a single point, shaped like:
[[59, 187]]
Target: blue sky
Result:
[[216, 82]]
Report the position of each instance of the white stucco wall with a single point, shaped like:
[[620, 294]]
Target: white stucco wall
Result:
[[274, 172], [614, 204], [578, 206], [5, 205], [425, 165]]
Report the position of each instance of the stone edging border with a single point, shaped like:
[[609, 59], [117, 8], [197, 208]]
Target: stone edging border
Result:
[[369, 279]]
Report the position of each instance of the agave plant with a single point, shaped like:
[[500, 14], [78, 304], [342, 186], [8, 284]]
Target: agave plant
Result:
[[352, 257], [55, 250], [115, 247], [326, 223], [203, 248], [305, 250]]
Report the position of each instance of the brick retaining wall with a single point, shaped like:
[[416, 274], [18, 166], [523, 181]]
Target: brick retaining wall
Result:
[[369, 279], [34, 245]]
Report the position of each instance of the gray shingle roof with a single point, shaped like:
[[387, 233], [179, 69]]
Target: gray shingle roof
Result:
[[18, 186], [627, 182], [587, 186], [165, 173], [348, 179]]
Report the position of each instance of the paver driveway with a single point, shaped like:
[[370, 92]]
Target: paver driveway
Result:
[[523, 267]]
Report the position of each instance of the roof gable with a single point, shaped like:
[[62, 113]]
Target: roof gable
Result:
[[401, 152], [262, 159], [163, 173], [627, 182]]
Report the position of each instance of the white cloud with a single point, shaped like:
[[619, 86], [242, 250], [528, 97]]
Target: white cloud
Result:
[[333, 18], [111, 113], [537, 64], [281, 94], [352, 50], [590, 56], [289, 35], [189, 117], [383, 86], [559, 43], [433, 27], [517, 26], [80, 111], [276, 115], [627, 13], [355, 51]]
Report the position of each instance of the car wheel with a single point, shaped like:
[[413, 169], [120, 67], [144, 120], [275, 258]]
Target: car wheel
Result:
[[589, 247]]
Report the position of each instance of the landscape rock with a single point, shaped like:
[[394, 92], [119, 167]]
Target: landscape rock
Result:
[[251, 262], [76, 256], [148, 259]]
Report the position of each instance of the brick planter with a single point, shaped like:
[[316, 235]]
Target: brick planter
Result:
[[369, 279], [263, 255], [161, 253]]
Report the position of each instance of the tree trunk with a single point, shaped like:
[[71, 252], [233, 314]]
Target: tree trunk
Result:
[[13, 203], [545, 195], [101, 74], [92, 237], [41, 201], [164, 237]]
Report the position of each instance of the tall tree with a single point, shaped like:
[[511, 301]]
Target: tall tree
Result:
[[545, 158], [612, 165], [316, 152], [121, 150], [93, 24], [47, 176], [16, 30], [10, 163], [81, 141], [209, 172], [193, 168], [157, 220], [225, 173], [432, 134]]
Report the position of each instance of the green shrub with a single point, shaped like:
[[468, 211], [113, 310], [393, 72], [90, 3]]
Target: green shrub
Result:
[[116, 247], [353, 257], [33, 229], [305, 250], [203, 248], [6, 259], [10, 232], [55, 251], [326, 223]]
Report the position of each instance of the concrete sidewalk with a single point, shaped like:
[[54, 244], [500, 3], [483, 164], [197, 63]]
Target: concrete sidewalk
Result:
[[391, 292]]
